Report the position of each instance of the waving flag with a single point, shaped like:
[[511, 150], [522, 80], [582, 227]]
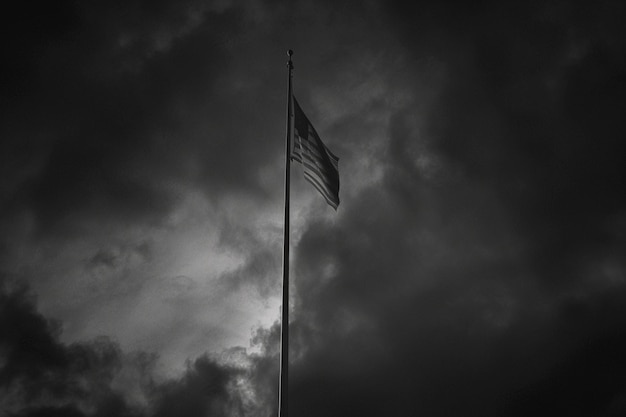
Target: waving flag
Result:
[[321, 166]]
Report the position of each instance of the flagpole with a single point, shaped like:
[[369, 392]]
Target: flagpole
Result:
[[284, 325]]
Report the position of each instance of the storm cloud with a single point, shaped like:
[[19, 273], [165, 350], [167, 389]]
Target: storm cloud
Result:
[[42, 376], [474, 267]]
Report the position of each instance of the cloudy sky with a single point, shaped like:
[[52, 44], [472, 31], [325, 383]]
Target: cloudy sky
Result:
[[475, 266]]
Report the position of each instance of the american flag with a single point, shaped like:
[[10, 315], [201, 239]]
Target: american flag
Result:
[[320, 165]]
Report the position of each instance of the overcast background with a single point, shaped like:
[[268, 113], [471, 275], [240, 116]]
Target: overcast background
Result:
[[475, 267]]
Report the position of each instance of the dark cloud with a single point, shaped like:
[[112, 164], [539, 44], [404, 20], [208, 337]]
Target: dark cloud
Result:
[[113, 257], [587, 379], [30, 348], [43, 374], [531, 113], [202, 391], [260, 262], [476, 264], [380, 335], [118, 102], [483, 288], [40, 376], [51, 412]]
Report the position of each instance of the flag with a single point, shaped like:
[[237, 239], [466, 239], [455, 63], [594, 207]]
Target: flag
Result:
[[321, 167]]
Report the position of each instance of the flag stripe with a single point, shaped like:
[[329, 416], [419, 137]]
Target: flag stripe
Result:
[[329, 188], [330, 192], [319, 176], [333, 185], [308, 145], [321, 170], [304, 146], [321, 188], [312, 177], [317, 142], [330, 199], [328, 175]]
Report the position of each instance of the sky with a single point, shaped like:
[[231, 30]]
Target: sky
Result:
[[476, 265]]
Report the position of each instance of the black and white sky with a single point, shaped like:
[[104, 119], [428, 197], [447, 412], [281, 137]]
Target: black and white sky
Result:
[[475, 267]]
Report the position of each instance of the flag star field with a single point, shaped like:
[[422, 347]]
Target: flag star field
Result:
[[476, 263]]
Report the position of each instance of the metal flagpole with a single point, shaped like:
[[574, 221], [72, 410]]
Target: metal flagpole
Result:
[[284, 325]]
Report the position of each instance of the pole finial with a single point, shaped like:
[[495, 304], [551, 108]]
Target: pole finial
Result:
[[290, 62], [290, 53]]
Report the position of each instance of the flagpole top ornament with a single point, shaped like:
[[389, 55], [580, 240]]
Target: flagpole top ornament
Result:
[[290, 63]]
